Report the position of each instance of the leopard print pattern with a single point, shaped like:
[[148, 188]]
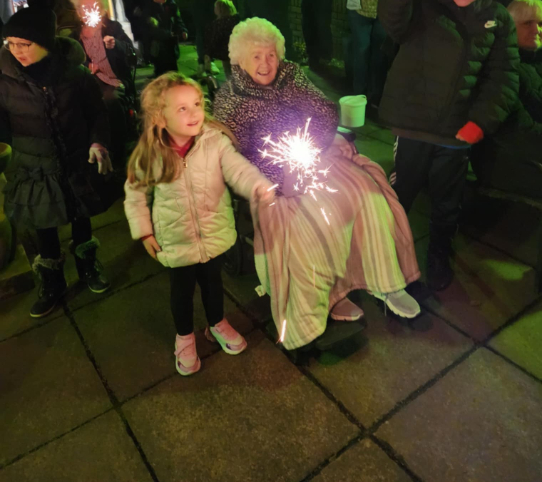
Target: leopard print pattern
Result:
[[253, 112]]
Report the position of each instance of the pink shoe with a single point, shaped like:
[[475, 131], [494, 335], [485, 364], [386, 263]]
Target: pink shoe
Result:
[[230, 341], [187, 360], [345, 310]]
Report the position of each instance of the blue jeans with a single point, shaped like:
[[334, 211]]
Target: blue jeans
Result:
[[369, 63]]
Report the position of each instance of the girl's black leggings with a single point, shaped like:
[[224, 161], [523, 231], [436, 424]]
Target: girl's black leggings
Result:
[[49, 242]]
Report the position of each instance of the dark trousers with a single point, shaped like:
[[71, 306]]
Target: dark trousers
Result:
[[369, 63], [443, 170], [49, 243], [316, 25], [183, 284]]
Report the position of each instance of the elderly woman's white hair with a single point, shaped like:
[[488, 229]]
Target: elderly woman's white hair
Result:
[[524, 10], [254, 32]]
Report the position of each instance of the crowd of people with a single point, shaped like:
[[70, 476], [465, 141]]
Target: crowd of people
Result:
[[458, 80]]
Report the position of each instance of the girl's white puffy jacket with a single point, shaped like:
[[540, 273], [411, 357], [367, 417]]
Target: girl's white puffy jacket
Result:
[[192, 217]]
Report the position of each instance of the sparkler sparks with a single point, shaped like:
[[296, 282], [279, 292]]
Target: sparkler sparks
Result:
[[92, 17], [299, 153], [283, 332]]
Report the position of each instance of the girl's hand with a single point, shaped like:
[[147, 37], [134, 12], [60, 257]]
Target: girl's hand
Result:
[[151, 246], [264, 194]]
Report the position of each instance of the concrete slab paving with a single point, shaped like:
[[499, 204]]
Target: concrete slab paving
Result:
[[242, 290], [377, 151], [125, 262], [481, 422], [132, 335], [419, 224], [510, 227], [98, 451], [365, 462], [396, 361], [15, 314], [48, 388], [383, 134], [488, 289], [522, 341], [253, 417]]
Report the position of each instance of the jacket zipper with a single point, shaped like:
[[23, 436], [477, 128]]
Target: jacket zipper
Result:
[[194, 211]]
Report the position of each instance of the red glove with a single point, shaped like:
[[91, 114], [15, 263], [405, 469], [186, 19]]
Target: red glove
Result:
[[470, 133]]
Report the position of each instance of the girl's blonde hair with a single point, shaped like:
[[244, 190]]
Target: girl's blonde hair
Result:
[[154, 144], [251, 32], [225, 8]]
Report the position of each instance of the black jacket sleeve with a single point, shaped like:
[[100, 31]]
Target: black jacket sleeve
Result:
[[95, 111], [498, 87]]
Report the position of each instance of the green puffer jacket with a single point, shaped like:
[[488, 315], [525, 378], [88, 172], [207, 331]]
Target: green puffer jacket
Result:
[[192, 217], [454, 65]]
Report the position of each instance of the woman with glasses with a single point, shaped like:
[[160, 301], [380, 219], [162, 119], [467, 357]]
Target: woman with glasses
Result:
[[52, 114]]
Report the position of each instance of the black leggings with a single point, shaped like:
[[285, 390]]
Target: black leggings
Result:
[[49, 243], [183, 284]]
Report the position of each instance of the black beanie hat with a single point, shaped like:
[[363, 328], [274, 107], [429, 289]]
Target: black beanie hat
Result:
[[35, 24]]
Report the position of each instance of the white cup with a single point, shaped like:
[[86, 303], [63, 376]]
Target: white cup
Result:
[[353, 110]]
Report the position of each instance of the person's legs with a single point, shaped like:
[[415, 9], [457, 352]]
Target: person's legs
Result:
[[310, 32], [378, 64], [182, 287], [209, 279], [49, 266], [447, 179], [84, 247], [412, 165], [360, 28]]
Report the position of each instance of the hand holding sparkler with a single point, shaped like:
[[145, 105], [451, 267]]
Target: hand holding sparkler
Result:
[[264, 194]]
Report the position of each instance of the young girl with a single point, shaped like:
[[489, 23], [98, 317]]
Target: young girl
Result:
[[178, 204]]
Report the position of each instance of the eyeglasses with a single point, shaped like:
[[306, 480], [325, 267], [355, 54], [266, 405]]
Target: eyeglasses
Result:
[[21, 47]]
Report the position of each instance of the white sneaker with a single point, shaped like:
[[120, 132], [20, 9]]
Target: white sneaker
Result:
[[187, 360], [400, 302], [345, 310]]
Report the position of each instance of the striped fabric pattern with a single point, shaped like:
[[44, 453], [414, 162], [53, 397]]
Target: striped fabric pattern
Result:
[[307, 265]]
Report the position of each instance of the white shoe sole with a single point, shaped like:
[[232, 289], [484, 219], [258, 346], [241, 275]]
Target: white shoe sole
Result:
[[193, 369], [395, 310], [345, 318], [209, 335]]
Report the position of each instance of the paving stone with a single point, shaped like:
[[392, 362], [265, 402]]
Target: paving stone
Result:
[[243, 290], [125, 262], [419, 223], [383, 134], [481, 422], [48, 387], [98, 451], [521, 341], [510, 227], [15, 314], [132, 334], [396, 360], [488, 289], [253, 417], [365, 462]]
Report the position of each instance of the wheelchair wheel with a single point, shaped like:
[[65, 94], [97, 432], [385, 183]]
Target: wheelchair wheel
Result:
[[233, 259]]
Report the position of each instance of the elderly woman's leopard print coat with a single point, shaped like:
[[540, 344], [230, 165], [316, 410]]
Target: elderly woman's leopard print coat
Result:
[[253, 111]]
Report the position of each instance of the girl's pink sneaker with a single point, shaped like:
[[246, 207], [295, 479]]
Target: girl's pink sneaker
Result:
[[187, 360], [230, 340]]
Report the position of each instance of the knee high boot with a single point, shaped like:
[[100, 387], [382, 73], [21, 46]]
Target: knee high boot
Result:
[[52, 284], [89, 269]]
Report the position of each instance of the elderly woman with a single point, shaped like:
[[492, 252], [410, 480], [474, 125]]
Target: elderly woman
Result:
[[311, 251], [512, 159]]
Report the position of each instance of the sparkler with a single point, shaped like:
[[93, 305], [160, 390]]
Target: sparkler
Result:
[[92, 17], [299, 153], [283, 332]]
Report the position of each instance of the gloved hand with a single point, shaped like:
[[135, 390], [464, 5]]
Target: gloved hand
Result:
[[99, 153], [470, 133]]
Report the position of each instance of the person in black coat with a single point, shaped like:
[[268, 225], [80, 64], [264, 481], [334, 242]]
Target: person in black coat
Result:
[[52, 114], [454, 80], [511, 160]]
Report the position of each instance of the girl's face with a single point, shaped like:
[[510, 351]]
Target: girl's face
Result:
[[183, 115]]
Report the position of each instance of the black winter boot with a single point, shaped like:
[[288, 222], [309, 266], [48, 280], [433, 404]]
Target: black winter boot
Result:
[[90, 270], [439, 271], [52, 285]]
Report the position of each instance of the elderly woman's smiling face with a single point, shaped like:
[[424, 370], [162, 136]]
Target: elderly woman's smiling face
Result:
[[261, 63]]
